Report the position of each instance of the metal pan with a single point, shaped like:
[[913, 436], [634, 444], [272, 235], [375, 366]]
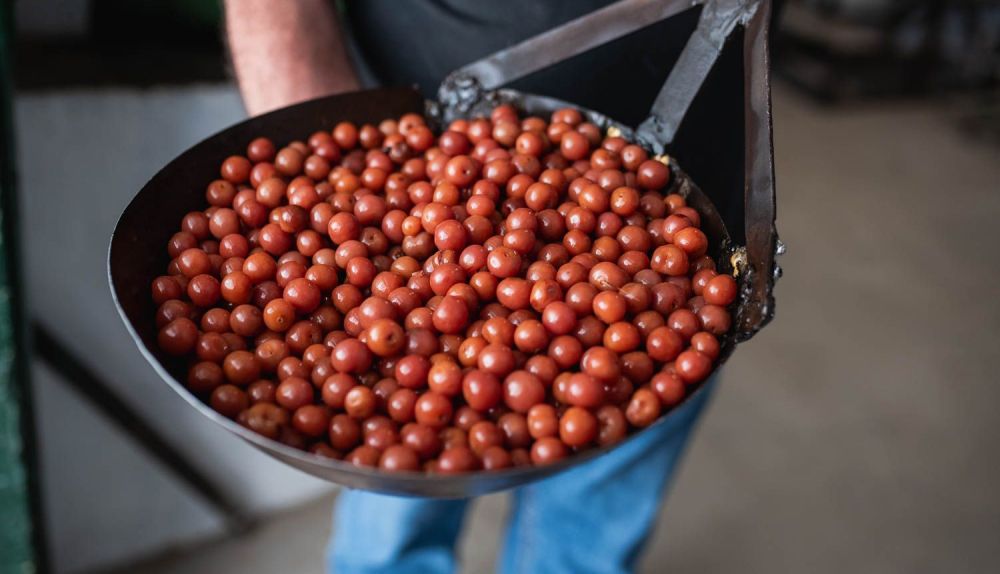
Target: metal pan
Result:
[[137, 253]]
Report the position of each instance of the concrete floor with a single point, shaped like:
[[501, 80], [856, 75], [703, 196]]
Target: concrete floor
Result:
[[857, 433]]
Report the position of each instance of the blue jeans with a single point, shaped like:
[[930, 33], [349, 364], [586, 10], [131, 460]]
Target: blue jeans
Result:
[[592, 518]]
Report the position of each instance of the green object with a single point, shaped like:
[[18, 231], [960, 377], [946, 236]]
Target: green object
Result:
[[202, 11], [17, 542], [202, 15]]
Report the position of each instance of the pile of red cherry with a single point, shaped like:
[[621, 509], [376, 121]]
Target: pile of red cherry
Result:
[[505, 293]]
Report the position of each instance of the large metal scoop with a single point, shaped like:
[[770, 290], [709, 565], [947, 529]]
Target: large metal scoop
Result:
[[733, 162]]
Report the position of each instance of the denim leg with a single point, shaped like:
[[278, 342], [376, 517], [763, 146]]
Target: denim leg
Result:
[[595, 518], [394, 535]]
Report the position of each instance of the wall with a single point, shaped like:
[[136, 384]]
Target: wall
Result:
[[82, 156]]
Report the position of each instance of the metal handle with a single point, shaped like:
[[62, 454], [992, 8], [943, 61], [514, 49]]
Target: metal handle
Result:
[[715, 24], [463, 86], [762, 245]]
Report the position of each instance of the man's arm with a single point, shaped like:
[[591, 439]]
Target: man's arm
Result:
[[286, 52]]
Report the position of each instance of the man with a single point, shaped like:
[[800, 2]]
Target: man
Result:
[[593, 518]]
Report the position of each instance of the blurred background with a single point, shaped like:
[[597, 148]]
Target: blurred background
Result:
[[856, 433]]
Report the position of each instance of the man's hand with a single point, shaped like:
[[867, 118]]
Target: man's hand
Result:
[[286, 52]]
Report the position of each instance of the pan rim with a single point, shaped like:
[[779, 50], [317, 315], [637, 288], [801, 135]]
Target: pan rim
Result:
[[413, 483]]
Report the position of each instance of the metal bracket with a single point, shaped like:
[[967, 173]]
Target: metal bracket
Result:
[[716, 23], [469, 85], [466, 85]]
